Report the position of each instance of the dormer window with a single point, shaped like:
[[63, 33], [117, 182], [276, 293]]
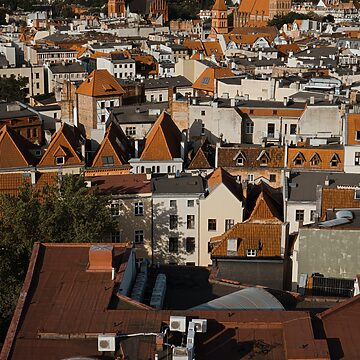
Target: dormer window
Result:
[[334, 161], [107, 160], [315, 160], [299, 159], [263, 158], [240, 161], [240, 158], [60, 160]]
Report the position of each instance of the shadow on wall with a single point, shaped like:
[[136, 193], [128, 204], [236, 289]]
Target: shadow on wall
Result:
[[198, 131]]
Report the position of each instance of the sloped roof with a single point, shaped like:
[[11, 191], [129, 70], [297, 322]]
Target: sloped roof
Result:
[[67, 138], [14, 149], [219, 5], [100, 83], [202, 157], [220, 176], [163, 141], [206, 81], [114, 144], [213, 48], [254, 7]]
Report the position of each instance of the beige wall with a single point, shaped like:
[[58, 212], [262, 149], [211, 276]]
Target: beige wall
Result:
[[221, 204], [87, 112], [191, 69]]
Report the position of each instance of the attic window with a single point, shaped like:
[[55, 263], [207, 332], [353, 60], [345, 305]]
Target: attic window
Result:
[[315, 160], [107, 160], [108, 87], [264, 158], [299, 159], [205, 80], [357, 194], [240, 161], [334, 161], [251, 252], [60, 160]]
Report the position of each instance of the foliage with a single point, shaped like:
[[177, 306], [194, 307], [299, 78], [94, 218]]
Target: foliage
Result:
[[12, 89], [328, 19], [279, 21], [187, 9], [68, 212]]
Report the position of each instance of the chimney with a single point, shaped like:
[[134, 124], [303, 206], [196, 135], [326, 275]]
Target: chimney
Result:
[[232, 102], [182, 149], [33, 178], [137, 110], [101, 258], [312, 100], [285, 101], [218, 144], [136, 147], [327, 181], [244, 186]]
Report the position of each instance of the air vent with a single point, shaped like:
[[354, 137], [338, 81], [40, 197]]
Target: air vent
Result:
[[178, 323], [106, 342]]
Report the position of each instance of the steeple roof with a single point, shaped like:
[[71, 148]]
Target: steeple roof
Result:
[[219, 5]]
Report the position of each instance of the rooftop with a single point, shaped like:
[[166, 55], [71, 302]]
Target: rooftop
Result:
[[178, 185]]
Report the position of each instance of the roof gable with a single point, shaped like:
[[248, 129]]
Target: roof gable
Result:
[[206, 81], [219, 5], [115, 146], [65, 142], [14, 149], [100, 83], [220, 176], [201, 158], [163, 141]]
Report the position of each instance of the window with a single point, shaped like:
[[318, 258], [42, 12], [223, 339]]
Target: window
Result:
[[139, 236], [102, 104], [130, 131], [190, 244], [116, 236], [202, 129], [229, 223], [240, 161], [107, 160], [190, 221], [251, 252], [173, 244], [334, 161], [160, 98], [190, 203], [250, 177], [271, 130], [251, 111], [211, 224], [357, 158], [60, 160], [202, 112], [139, 208], [312, 215], [357, 194], [173, 203], [315, 160], [38, 85], [299, 215], [292, 129], [173, 222], [249, 128], [111, 103], [115, 209], [103, 118], [299, 159], [272, 177], [357, 135], [37, 75]]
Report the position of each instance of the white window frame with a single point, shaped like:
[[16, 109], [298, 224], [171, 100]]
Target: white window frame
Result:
[[139, 208], [139, 234], [251, 252]]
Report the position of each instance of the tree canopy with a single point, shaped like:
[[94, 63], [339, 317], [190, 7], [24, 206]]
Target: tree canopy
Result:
[[12, 89], [66, 212]]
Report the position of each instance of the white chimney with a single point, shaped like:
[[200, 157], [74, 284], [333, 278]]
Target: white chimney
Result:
[[312, 100], [182, 149], [285, 101], [136, 146]]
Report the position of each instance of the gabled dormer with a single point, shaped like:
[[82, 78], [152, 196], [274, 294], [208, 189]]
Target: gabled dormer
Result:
[[114, 149], [334, 160], [264, 158], [64, 149], [240, 158], [299, 159], [315, 160]]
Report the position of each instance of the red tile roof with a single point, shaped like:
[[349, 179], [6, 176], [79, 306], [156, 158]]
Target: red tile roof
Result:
[[219, 5], [100, 83], [163, 142], [206, 80]]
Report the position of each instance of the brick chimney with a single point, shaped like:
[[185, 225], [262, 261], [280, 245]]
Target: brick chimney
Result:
[[101, 258]]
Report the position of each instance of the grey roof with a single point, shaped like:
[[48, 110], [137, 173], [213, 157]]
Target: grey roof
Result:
[[176, 81], [67, 68], [138, 114], [246, 299], [121, 58], [318, 52], [54, 49], [185, 184], [235, 80], [177, 47], [304, 188], [3, 61], [208, 63], [271, 104]]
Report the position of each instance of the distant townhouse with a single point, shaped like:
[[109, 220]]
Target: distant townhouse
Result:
[[176, 219], [98, 92], [146, 66], [117, 64], [57, 73], [50, 55], [164, 149], [352, 143], [253, 252], [222, 188], [131, 208], [253, 163], [157, 90]]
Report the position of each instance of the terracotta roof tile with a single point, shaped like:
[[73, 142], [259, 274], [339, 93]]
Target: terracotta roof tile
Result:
[[14, 149], [254, 7], [163, 142], [100, 83], [206, 81], [115, 145], [11, 183], [203, 158], [219, 5], [66, 139], [213, 48]]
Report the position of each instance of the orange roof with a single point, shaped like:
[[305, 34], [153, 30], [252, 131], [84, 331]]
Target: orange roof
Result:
[[220, 176], [353, 126], [193, 44], [246, 38], [65, 141], [213, 48], [100, 83], [219, 5], [14, 149], [285, 49], [206, 81], [98, 54], [163, 141], [10, 183], [254, 7], [113, 145], [196, 56]]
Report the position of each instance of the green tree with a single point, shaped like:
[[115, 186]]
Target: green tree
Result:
[[67, 212], [12, 89]]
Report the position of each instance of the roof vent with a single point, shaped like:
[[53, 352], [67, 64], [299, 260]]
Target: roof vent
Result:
[[106, 342], [101, 258], [178, 323]]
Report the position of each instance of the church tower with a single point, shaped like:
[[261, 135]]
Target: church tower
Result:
[[219, 22], [116, 8]]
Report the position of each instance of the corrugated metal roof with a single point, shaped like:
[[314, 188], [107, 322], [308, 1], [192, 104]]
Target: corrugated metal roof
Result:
[[246, 299]]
